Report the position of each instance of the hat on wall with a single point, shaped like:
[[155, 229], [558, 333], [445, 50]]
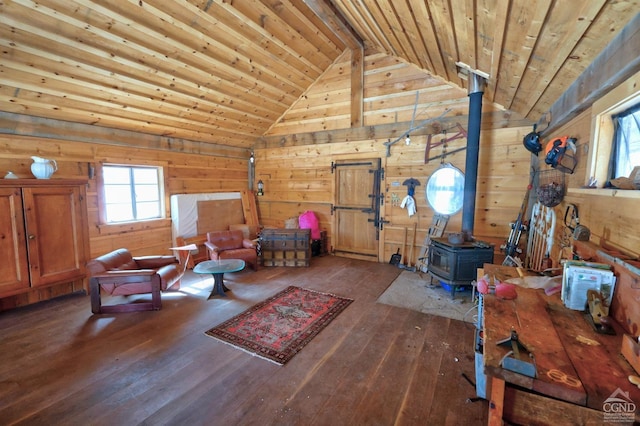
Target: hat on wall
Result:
[[532, 141]]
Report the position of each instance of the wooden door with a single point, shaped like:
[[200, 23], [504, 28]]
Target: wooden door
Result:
[[14, 271], [55, 234], [357, 208]]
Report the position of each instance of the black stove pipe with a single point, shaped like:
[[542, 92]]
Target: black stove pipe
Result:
[[476, 90]]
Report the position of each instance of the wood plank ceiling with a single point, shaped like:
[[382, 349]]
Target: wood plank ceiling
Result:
[[224, 72]]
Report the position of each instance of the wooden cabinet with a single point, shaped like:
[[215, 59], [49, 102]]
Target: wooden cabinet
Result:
[[43, 237]]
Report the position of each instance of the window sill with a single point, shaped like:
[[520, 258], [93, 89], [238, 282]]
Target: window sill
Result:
[[619, 193], [117, 228]]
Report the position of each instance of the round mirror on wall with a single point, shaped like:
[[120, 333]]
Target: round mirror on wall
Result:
[[445, 190]]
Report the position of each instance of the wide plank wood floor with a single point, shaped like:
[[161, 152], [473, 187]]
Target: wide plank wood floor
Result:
[[373, 365]]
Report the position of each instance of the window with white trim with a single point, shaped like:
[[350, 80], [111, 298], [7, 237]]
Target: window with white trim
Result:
[[132, 193], [625, 149], [615, 145]]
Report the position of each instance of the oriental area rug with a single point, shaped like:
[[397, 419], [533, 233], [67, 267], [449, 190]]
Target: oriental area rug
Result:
[[279, 327]]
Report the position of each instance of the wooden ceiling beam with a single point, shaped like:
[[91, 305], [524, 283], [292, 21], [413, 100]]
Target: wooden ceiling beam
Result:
[[357, 87], [47, 128], [384, 132], [332, 18], [558, 38], [617, 62]]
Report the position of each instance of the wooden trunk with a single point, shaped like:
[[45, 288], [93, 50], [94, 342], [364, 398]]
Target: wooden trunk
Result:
[[285, 247]]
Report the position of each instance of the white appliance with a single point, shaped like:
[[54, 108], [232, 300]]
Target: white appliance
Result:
[[579, 277]]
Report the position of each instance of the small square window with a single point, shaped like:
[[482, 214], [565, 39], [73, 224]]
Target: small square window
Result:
[[132, 193]]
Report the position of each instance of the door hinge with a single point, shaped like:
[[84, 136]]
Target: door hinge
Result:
[[382, 222]]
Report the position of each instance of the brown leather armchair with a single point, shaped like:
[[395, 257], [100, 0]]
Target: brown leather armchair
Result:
[[231, 245], [118, 273]]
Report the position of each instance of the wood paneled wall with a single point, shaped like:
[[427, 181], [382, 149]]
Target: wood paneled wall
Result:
[[294, 158], [299, 178], [185, 173], [611, 216], [394, 92]]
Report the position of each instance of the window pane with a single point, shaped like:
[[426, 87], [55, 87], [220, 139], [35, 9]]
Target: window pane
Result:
[[147, 193], [628, 144], [114, 174], [119, 212], [117, 194], [146, 175], [148, 210]]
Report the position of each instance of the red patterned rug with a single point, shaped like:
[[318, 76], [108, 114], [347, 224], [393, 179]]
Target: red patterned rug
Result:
[[282, 325]]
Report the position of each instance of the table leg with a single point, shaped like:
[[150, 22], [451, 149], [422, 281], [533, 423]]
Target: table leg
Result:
[[218, 286], [496, 403]]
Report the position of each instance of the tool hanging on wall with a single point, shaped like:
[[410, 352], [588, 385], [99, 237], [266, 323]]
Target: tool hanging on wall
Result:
[[510, 247], [389, 143], [561, 154], [572, 231], [409, 201], [411, 184], [572, 222], [532, 141], [462, 134]]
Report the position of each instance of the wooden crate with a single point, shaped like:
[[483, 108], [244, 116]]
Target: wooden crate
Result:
[[285, 247]]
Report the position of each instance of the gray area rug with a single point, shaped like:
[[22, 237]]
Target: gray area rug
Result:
[[412, 290]]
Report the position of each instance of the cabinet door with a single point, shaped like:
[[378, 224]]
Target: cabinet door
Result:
[[14, 270], [55, 234]]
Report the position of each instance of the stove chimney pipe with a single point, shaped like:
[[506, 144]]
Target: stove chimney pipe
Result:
[[476, 89]]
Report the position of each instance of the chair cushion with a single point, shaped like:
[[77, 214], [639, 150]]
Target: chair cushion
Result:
[[110, 261], [248, 255], [226, 240], [126, 266]]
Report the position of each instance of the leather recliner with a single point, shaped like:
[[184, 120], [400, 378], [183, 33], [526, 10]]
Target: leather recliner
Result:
[[118, 273], [232, 245]]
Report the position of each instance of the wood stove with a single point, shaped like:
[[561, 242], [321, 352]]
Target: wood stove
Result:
[[457, 264]]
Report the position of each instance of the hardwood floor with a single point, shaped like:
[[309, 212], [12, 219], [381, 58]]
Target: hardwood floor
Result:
[[373, 365]]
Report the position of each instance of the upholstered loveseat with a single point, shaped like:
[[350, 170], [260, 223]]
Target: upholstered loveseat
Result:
[[118, 273]]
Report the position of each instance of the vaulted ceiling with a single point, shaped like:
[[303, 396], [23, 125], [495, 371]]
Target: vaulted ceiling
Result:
[[224, 71]]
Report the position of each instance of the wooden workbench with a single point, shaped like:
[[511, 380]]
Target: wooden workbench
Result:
[[577, 368]]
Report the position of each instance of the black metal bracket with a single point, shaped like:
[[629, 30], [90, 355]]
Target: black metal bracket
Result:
[[382, 222]]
